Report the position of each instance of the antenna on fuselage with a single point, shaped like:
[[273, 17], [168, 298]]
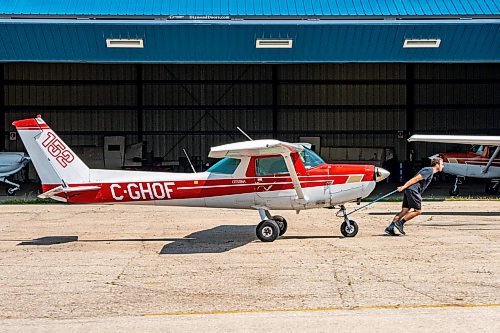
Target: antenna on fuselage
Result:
[[243, 132], [189, 160]]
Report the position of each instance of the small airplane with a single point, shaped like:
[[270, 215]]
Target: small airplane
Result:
[[260, 174], [10, 164], [481, 163]]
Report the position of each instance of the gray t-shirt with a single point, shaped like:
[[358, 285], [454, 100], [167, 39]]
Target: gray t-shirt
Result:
[[420, 186]]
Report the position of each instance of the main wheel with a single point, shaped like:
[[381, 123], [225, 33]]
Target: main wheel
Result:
[[349, 231], [490, 189], [268, 230], [454, 191], [282, 224]]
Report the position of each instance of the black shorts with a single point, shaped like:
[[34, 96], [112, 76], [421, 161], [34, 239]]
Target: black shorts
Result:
[[412, 199]]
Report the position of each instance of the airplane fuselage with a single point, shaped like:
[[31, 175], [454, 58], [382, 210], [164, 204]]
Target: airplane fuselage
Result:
[[470, 164], [324, 186]]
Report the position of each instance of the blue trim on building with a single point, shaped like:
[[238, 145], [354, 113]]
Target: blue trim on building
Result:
[[251, 8], [234, 41]]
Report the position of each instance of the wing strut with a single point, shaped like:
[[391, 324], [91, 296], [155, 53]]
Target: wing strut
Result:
[[491, 159], [293, 175]]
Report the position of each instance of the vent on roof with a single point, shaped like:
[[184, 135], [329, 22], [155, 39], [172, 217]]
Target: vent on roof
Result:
[[273, 44], [125, 43], [421, 43]]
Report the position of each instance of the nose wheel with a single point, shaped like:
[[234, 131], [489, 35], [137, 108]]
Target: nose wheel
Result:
[[348, 228]]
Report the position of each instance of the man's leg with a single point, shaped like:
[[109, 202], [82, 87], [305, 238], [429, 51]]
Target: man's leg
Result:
[[390, 228], [411, 215], [399, 225], [401, 214]]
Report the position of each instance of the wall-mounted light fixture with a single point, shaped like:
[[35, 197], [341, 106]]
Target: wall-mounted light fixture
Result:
[[125, 43], [274, 43], [421, 43]]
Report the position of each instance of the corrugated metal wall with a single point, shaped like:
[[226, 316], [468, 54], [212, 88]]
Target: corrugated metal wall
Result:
[[456, 99], [199, 106]]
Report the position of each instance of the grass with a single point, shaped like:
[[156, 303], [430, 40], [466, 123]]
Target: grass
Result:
[[35, 201], [432, 198]]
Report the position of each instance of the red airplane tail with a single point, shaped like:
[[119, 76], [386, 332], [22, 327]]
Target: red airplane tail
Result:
[[54, 161]]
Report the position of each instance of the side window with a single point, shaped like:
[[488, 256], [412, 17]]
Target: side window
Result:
[[270, 166], [226, 166]]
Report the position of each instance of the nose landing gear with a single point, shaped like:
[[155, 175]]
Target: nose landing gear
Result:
[[348, 228]]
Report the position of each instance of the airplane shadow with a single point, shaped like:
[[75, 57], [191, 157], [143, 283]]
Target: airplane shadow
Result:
[[310, 237], [445, 213], [220, 239], [51, 240]]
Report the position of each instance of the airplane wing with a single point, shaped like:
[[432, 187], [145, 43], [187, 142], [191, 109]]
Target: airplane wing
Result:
[[461, 139], [254, 148], [263, 148]]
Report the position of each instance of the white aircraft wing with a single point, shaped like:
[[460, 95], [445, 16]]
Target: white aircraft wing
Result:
[[461, 139], [254, 148], [263, 148]]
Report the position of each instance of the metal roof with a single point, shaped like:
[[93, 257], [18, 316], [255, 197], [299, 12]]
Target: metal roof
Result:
[[224, 9]]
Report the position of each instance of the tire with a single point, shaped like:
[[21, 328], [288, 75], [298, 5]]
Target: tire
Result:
[[268, 231], [490, 189], [454, 191], [282, 223], [349, 232]]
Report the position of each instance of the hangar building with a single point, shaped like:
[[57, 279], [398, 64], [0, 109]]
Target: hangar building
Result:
[[355, 77]]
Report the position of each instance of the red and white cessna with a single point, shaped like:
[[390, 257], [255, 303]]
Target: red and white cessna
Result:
[[260, 174]]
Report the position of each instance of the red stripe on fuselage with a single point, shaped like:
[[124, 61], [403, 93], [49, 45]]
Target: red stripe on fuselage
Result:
[[176, 189]]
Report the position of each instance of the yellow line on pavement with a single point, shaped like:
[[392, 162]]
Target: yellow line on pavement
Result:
[[372, 307]]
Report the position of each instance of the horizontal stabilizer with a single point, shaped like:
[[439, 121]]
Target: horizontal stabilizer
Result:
[[52, 194]]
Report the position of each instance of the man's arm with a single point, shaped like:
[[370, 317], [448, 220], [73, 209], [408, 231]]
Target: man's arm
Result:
[[409, 183]]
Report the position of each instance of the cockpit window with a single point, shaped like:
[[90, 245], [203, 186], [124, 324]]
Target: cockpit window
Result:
[[270, 166], [478, 149], [225, 166], [310, 158]]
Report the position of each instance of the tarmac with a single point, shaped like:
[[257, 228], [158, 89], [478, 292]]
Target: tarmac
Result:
[[124, 268]]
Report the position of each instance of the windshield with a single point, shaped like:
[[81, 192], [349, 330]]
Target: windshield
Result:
[[310, 158], [225, 166]]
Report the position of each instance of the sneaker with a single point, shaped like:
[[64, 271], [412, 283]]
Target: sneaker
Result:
[[390, 231], [399, 226]]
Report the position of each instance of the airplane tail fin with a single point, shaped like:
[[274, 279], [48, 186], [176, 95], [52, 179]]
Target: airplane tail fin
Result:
[[54, 161]]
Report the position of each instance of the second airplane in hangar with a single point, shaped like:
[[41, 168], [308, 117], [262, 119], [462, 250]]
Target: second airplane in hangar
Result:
[[482, 163], [261, 175]]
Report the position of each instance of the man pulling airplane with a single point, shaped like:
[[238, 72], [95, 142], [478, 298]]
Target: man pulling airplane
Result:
[[412, 198]]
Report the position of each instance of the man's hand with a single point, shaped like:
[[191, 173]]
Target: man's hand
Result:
[[401, 188]]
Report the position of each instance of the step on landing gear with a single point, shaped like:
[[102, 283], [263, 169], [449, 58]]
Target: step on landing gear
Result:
[[12, 188], [454, 190], [492, 187], [348, 228], [271, 226]]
